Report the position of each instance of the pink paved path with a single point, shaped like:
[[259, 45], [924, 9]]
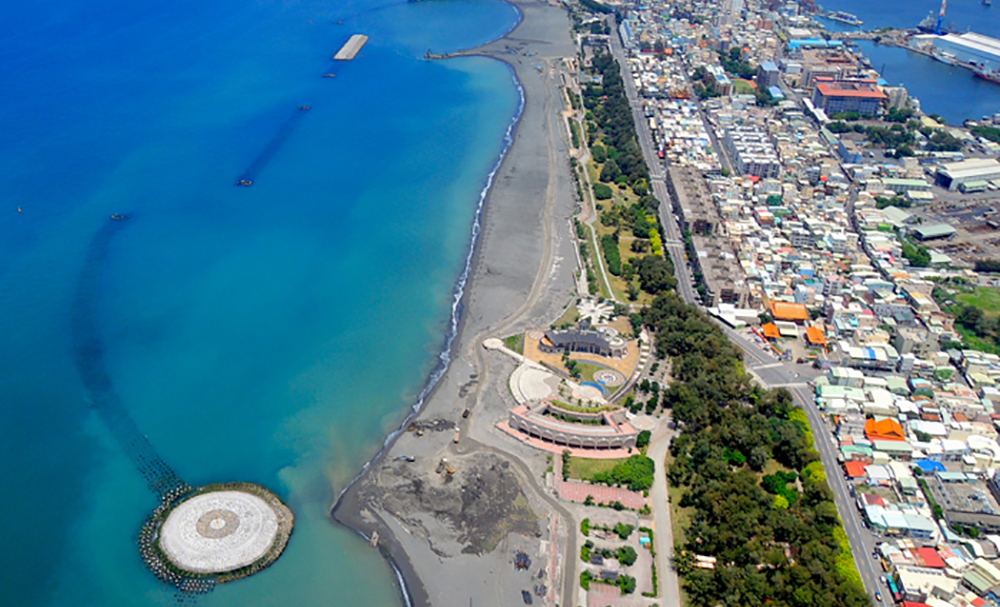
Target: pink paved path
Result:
[[577, 491]]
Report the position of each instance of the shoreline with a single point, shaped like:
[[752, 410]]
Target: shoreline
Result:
[[352, 508]]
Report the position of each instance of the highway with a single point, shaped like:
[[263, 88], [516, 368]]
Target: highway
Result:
[[771, 372]]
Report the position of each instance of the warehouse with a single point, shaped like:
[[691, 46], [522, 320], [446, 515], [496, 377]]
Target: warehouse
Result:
[[954, 174]]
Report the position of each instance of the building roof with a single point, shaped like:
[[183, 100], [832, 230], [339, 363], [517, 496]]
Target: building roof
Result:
[[814, 335], [850, 89], [937, 230], [783, 310], [929, 465], [930, 558], [771, 331], [855, 469], [887, 429], [970, 169]]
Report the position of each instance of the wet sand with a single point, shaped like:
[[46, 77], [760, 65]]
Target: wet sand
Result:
[[452, 537]]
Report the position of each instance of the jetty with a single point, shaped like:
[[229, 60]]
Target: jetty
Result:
[[351, 48]]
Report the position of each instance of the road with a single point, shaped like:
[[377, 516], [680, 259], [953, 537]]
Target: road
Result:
[[664, 535], [771, 372], [674, 241]]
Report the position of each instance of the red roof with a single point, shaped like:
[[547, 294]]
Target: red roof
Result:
[[930, 558], [855, 469], [872, 500], [771, 331], [916, 604], [849, 89]]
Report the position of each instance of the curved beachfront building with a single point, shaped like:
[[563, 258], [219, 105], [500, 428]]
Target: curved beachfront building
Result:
[[613, 431]]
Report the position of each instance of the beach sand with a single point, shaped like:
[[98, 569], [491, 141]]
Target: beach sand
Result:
[[453, 537]]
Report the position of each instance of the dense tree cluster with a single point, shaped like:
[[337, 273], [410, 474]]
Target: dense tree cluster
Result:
[[613, 117], [988, 265], [636, 473], [984, 325], [779, 552], [917, 255]]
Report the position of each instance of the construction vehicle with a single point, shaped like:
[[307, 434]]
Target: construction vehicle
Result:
[[444, 466], [419, 431], [458, 434]]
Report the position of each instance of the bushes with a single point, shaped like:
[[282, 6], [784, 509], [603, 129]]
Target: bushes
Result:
[[611, 254], [643, 439], [602, 192], [623, 530]]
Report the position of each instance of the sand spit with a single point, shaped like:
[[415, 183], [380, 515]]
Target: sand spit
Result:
[[453, 536]]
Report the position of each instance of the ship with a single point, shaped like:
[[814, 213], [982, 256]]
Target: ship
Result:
[[987, 2], [842, 17], [944, 57], [991, 75]]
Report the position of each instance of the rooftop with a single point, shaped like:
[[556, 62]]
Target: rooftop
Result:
[[850, 89]]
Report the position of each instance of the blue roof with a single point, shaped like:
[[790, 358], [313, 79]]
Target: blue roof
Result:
[[776, 92], [814, 43], [769, 66], [870, 353], [929, 465]]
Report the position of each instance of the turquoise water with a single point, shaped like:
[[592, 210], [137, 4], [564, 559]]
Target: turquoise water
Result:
[[949, 91], [271, 334]]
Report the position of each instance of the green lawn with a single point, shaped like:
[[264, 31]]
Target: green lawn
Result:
[[585, 469], [515, 343], [587, 370], [984, 298], [744, 87]]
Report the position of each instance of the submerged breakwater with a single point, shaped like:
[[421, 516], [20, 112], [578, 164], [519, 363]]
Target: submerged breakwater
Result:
[[88, 352]]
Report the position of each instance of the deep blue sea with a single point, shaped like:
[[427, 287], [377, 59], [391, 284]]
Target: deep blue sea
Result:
[[271, 334], [952, 92]]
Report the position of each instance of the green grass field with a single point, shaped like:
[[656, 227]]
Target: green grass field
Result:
[[585, 469], [744, 87], [985, 298]]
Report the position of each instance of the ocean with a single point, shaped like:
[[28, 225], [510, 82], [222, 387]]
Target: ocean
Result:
[[949, 91], [272, 334]]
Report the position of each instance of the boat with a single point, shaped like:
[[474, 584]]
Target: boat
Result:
[[119, 217], [329, 75], [246, 183], [991, 75], [943, 57], [987, 2], [842, 17], [305, 108]]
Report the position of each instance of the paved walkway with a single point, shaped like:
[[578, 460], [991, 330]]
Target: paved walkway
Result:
[[664, 536], [577, 491]]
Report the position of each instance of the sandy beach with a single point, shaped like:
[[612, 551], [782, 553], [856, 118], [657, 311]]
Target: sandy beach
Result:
[[453, 537]]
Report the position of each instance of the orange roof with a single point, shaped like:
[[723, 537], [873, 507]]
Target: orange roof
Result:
[[855, 469], [782, 310], [886, 429], [815, 336], [771, 331]]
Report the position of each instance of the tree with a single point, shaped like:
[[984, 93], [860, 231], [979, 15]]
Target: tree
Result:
[[656, 274], [610, 171], [643, 439], [602, 192], [918, 256], [627, 555], [599, 153]]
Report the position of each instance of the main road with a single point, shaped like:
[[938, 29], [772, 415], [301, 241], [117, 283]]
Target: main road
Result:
[[769, 371], [674, 241]]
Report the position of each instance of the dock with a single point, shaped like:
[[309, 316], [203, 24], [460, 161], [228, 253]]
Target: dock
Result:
[[351, 48]]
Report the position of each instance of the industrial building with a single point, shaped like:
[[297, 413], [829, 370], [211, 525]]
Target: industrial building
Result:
[[836, 96], [932, 232], [971, 48], [954, 174]]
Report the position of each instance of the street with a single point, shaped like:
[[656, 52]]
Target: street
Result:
[[770, 372]]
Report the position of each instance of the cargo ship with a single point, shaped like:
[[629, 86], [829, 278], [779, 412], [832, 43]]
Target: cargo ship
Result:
[[842, 17]]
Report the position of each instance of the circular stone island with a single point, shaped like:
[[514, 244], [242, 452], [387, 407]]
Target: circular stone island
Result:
[[222, 531]]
